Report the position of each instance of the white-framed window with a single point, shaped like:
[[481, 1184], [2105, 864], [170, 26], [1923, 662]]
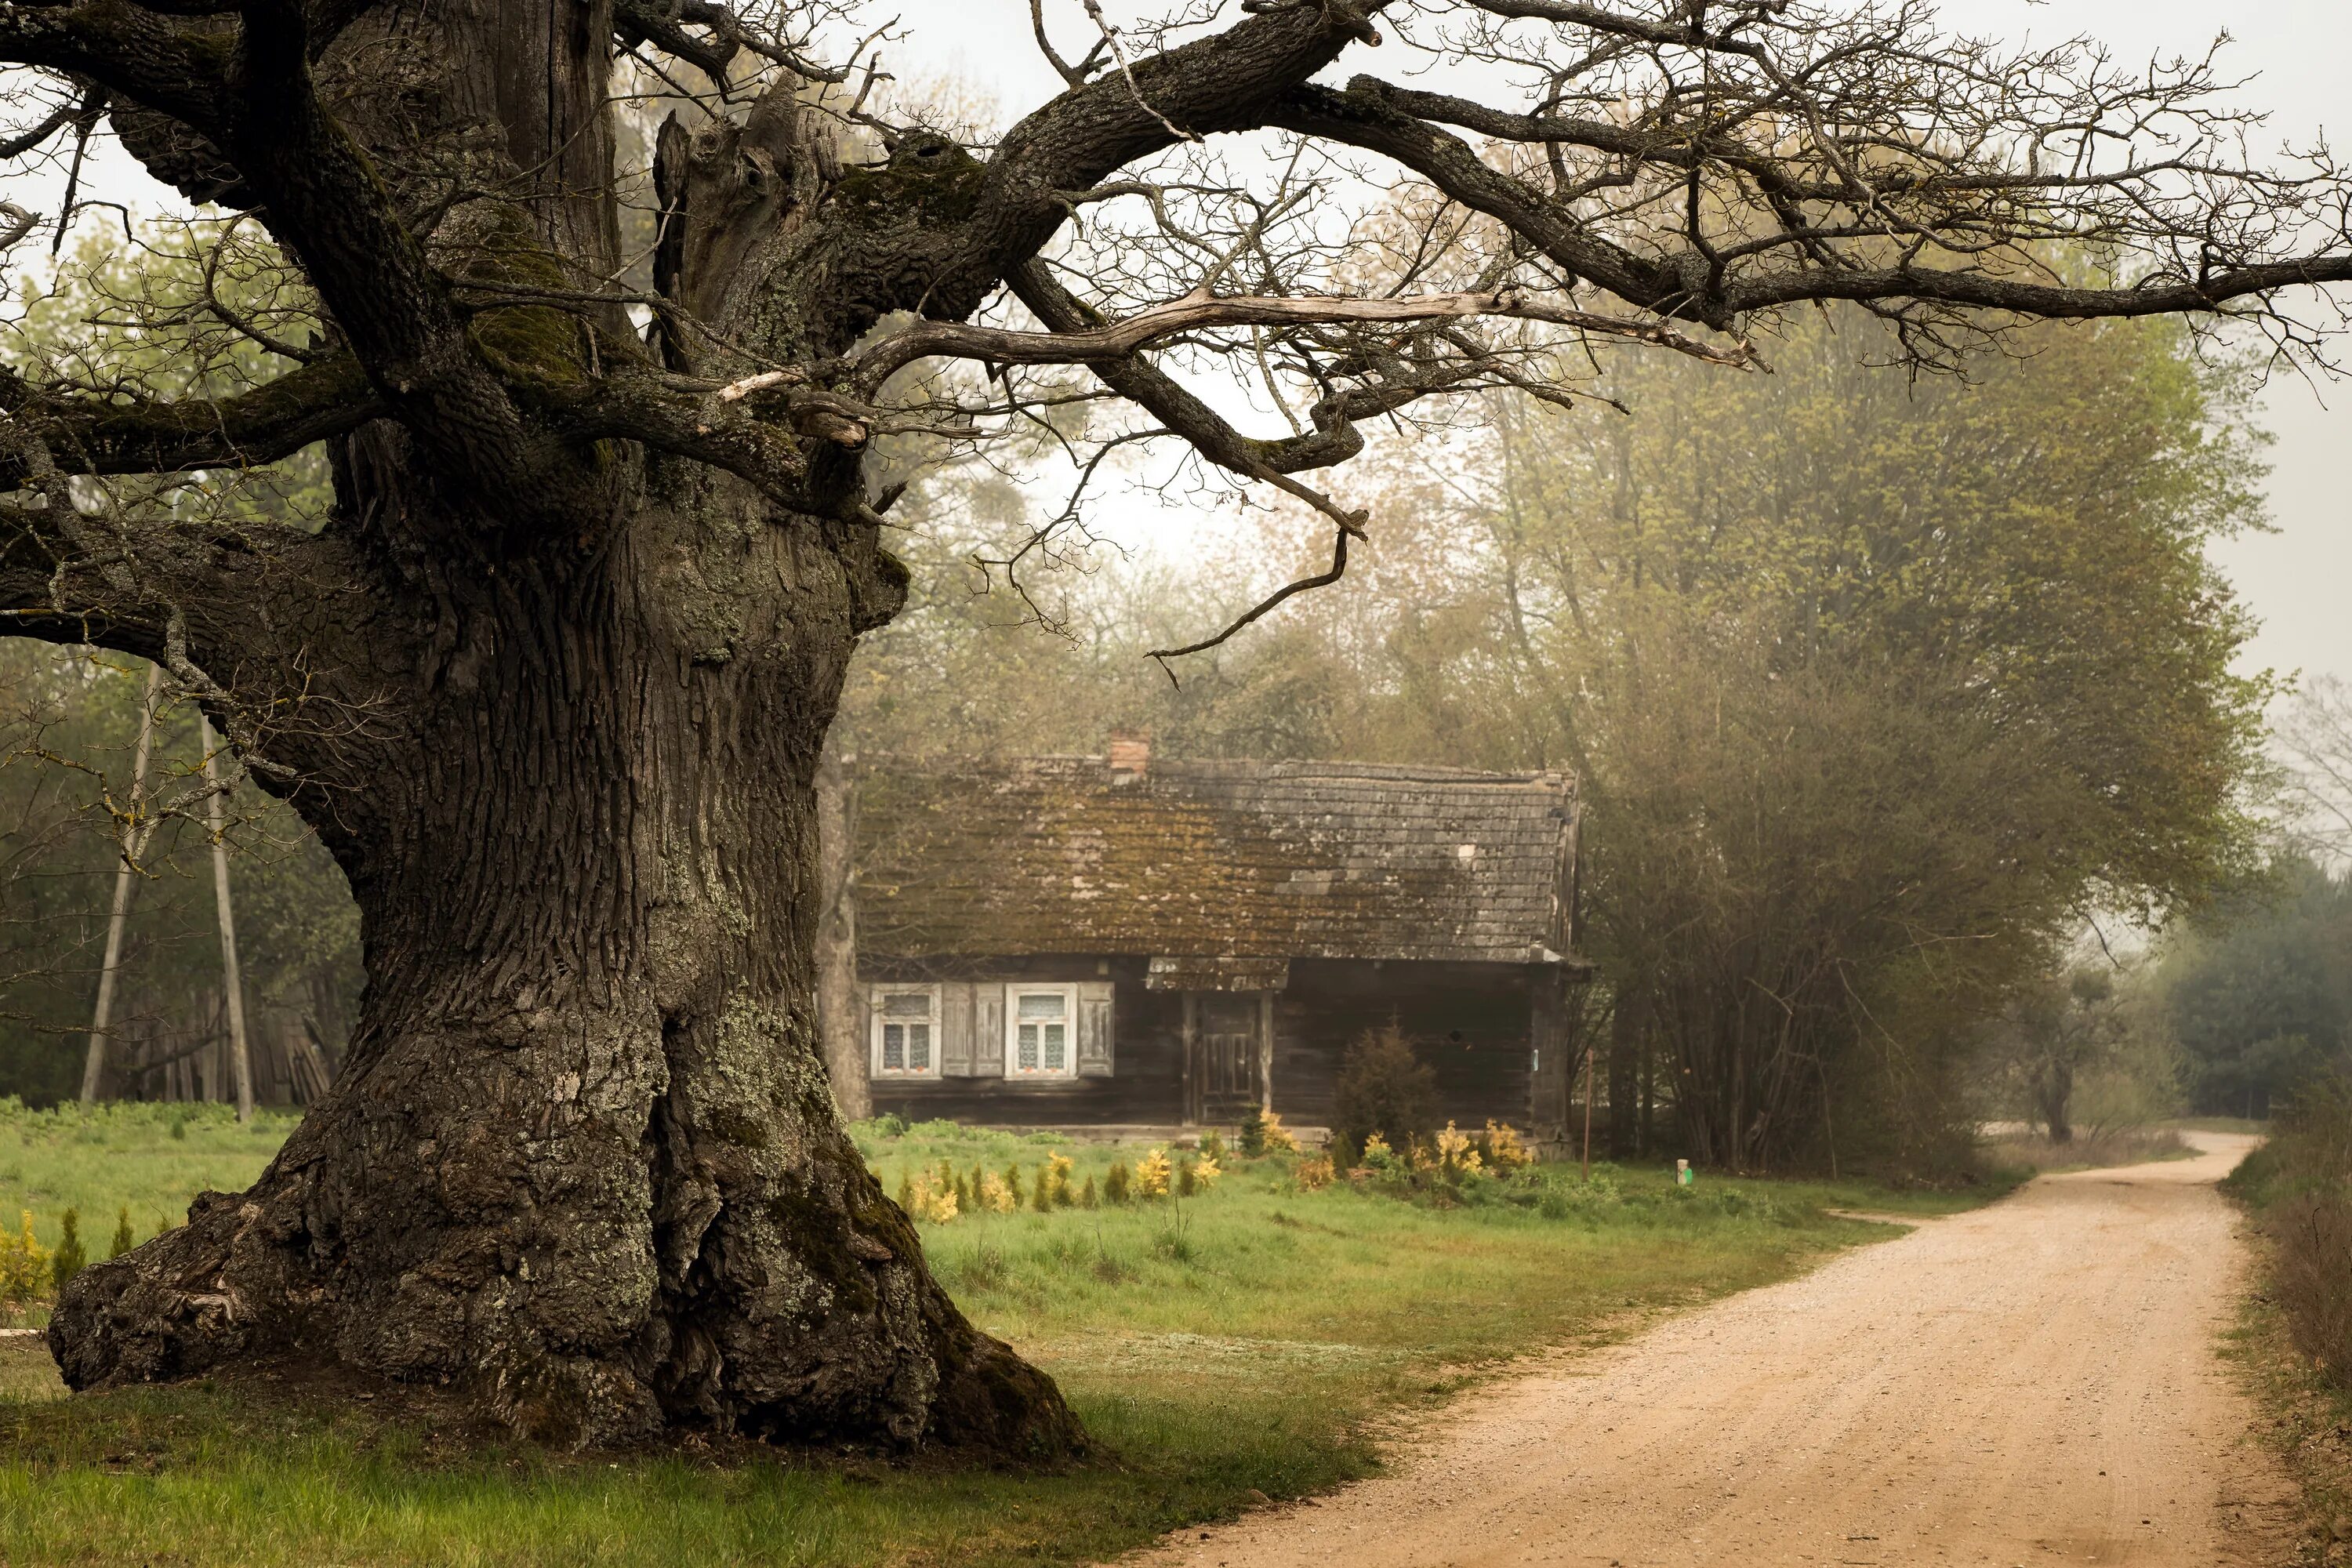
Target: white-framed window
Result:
[[906, 1031], [1041, 1031]]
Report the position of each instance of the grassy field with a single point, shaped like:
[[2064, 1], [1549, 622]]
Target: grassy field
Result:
[[1253, 1341], [147, 1160], [2297, 1337], [2087, 1150]]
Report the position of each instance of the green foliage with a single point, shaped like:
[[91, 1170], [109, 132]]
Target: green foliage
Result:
[[1118, 1184], [129, 313], [2257, 990], [1252, 1133], [123, 1240], [70, 1256], [1383, 1090], [1212, 1146]]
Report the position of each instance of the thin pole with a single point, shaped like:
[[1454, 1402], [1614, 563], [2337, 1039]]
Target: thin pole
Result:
[[240, 1060], [1588, 1105], [133, 840]]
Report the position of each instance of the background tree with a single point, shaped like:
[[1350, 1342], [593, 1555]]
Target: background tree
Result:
[[2314, 737], [2259, 990], [551, 679], [1877, 691]]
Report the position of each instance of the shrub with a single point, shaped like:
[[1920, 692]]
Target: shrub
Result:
[[1057, 1184], [1453, 1154], [1504, 1151], [1041, 1192], [124, 1241], [2313, 1272], [1213, 1148], [1313, 1175], [995, 1196], [1186, 1185], [932, 1201], [2304, 1178], [1087, 1199], [889, 1126], [1278, 1138], [1384, 1089], [1012, 1183], [70, 1257], [1253, 1134], [1151, 1175], [1116, 1188], [24, 1264], [1207, 1171], [964, 1194]]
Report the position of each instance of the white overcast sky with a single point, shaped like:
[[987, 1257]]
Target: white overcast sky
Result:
[[2298, 579]]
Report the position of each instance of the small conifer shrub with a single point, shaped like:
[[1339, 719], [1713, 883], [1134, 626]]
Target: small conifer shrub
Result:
[[70, 1257]]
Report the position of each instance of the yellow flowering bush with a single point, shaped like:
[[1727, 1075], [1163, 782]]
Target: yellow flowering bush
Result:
[[1455, 1153], [929, 1200], [1057, 1180], [995, 1196], [1505, 1151], [1152, 1173], [24, 1264], [1313, 1175], [1278, 1138], [1207, 1171]]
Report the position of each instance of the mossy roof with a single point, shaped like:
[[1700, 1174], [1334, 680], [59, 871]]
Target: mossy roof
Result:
[[1202, 859]]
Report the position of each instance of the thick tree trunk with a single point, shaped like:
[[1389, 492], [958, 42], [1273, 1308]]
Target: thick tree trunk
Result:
[[581, 1159], [2057, 1100]]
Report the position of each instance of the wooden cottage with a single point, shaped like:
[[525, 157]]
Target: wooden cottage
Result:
[[1092, 941]]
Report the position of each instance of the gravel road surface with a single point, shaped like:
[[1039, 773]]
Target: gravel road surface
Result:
[[2034, 1382]]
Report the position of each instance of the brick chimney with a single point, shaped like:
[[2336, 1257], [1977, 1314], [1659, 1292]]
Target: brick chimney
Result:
[[1130, 755]]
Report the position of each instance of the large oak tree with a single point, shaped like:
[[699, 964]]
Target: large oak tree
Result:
[[552, 681]]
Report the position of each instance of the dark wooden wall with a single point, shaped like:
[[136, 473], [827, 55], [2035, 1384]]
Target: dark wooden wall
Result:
[[1474, 1024], [1470, 1022], [1146, 1083]]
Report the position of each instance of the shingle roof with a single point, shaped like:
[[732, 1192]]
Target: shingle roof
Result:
[[1206, 859]]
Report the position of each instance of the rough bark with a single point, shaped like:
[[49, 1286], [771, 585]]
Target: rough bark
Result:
[[581, 1159], [555, 705]]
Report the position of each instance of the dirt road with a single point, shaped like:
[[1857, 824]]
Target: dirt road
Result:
[[2034, 1382]]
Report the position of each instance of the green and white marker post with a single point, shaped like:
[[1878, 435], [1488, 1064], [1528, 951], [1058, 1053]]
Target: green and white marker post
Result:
[[1682, 1173]]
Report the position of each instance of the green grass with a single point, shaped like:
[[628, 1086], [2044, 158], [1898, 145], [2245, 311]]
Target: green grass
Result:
[[1245, 1342], [125, 1156]]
